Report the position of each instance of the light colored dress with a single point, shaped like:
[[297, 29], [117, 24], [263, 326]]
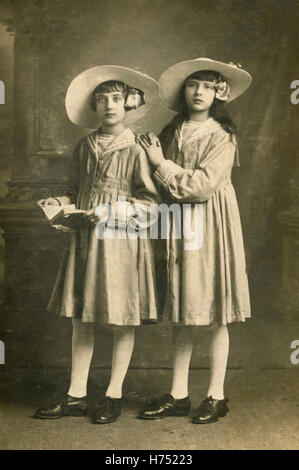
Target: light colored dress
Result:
[[110, 281], [207, 283]]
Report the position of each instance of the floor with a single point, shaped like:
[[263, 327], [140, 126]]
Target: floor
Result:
[[264, 412]]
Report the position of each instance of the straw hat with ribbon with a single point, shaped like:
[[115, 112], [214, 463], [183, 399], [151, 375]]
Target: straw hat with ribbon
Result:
[[78, 96], [171, 81]]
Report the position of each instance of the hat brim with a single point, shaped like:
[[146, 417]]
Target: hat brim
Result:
[[172, 79], [78, 96]]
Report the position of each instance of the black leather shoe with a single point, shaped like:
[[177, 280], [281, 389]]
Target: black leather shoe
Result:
[[166, 406], [107, 410], [66, 406], [210, 410]]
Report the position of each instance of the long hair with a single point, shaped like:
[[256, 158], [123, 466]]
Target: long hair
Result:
[[218, 110]]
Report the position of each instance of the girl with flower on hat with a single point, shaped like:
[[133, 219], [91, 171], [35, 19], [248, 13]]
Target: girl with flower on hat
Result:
[[106, 276], [207, 283]]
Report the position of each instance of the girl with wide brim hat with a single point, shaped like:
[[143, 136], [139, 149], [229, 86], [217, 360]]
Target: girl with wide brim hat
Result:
[[172, 79], [106, 276], [206, 279], [78, 96]]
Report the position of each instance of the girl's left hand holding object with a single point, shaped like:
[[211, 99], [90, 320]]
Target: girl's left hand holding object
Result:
[[152, 146], [119, 214]]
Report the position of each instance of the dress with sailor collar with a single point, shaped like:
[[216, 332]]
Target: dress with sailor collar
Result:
[[207, 280], [110, 281]]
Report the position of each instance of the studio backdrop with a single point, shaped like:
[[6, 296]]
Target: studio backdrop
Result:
[[48, 43]]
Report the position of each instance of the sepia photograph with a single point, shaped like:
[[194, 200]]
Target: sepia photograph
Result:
[[149, 227]]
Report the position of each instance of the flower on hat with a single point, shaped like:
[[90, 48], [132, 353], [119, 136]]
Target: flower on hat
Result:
[[134, 99], [222, 90]]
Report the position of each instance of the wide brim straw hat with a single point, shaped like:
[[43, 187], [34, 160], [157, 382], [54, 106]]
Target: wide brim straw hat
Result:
[[172, 79], [78, 96]]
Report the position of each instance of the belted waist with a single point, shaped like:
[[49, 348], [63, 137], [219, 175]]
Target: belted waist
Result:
[[113, 183]]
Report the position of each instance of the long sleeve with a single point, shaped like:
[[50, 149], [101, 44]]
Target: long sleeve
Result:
[[145, 188], [198, 185], [146, 196]]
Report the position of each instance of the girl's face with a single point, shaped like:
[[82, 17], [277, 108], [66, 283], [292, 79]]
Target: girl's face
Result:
[[199, 94], [110, 107]]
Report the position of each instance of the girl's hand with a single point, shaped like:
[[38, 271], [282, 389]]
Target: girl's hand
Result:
[[62, 228], [152, 146]]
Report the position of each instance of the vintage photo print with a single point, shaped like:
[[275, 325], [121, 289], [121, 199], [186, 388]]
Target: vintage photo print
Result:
[[149, 218]]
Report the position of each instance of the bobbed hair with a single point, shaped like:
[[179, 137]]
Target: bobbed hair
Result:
[[114, 85]]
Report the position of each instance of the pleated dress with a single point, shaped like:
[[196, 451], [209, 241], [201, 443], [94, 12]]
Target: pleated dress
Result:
[[206, 276], [112, 280]]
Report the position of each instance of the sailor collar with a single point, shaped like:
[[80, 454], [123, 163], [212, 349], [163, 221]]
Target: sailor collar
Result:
[[123, 140], [207, 127]]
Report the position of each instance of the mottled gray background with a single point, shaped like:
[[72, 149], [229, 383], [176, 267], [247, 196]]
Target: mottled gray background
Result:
[[43, 45]]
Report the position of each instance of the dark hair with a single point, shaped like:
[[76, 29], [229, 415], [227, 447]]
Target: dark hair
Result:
[[218, 110], [108, 87], [114, 85], [208, 75]]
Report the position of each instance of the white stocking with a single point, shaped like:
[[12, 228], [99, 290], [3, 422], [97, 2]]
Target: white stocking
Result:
[[182, 344], [82, 350], [219, 347], [123, 344]]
